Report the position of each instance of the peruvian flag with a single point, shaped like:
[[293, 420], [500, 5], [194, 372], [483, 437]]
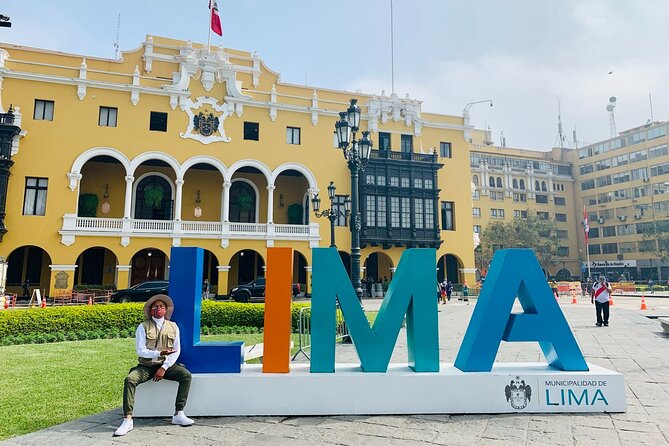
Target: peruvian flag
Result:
[[586, 226], [215, 19]]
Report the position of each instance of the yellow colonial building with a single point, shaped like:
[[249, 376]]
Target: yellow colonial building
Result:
[[509, 182], [113, 162]]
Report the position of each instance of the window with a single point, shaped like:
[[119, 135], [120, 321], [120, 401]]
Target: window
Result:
[[497, 213], [639, 155], [560, 201], [519, 214], [370, 210], [292, 135], [370, 179], [394, 181], [594, 249], [384, 141], [521, 183], [380, 180], [603, 164], [586, 168], [475, 180], [43, 110], [418, 212], [543, 199], [626, 247], [34, 202], [499, 182], [660, 169], [445, 149], [656, 132], [381, 212], [418, 183], [476, 212], [339, 204], [563, 251], [407, 143], [619, 160], [429, 213], [622, 177], [537, 186], [542, 215], [497, 196], [543, 187], [428, 183], [603, 181], [609, 248], [394, 212], [561, 217], [609, 231], [107, 116], [158, 122], [406, 212], [593, 233], [477, 229], [405, 182], [491, 181], [448, 215], [251, 131], [515, 183], [476, 194]]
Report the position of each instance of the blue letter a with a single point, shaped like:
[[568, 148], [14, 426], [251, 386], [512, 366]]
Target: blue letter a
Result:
[[411, 292], [517, 271]]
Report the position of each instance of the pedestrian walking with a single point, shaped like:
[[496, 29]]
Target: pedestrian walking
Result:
[[650, 285], [601, 293], [26, 288], [465, 292], [449, 290]]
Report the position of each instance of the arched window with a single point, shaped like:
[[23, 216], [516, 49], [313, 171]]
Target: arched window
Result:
[[499, 182], [242, 203], [522, 184], [153, 199], [475, 180], [491, 181], [537, 186], [543, 186], [515, 183]]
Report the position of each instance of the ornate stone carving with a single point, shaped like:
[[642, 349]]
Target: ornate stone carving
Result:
[[209, 125]]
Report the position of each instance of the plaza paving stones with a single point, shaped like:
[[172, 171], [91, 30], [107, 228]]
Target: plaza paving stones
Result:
[[633, 345]]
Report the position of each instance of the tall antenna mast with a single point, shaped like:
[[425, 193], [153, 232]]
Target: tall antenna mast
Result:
[[612, 117], [561, 138], [392, 50], [118, 35]]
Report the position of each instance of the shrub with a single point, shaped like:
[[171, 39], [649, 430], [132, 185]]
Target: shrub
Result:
[[78, 322]]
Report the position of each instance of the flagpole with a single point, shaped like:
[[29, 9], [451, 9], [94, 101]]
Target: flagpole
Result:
[[211, 11], [588, 253]]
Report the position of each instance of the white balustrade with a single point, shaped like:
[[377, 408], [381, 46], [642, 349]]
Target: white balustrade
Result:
[[201, 227], [99, 224], [153, 225], [291, 229]]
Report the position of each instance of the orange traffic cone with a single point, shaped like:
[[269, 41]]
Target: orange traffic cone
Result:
[[610, 301], [90, 300], [43, 305], [643, 302], [7, 302], [573, 297]]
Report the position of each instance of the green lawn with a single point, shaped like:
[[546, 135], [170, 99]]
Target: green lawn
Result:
[[42, 385]]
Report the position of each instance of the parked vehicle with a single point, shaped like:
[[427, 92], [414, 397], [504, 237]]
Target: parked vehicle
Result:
[[141, 292], [254, 291]]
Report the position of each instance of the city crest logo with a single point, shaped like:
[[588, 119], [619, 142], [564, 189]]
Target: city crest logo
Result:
[[205, 125], [518, 394]]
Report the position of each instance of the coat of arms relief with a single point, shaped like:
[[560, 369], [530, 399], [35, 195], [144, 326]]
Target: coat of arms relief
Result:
[[205, 120]]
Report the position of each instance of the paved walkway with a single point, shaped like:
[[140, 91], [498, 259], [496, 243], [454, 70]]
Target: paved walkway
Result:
[[632, 345]]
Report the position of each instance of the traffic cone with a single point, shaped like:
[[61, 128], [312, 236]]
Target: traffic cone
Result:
[[90, 300], [643, 302], [573, 297], [610, 301], [43, 305], [6, 302]]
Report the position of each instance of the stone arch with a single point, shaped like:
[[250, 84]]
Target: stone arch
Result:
[[515, 183], [140, 159], [311, 179], [449, 266], [250, 163], [100, 151], [202, 159], [148, 264], [137, 182], [96, 265], [28, 262], [499, 182], [491, 181], [521, 184]]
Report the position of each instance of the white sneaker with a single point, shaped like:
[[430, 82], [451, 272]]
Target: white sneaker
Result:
[[124, 428], [181, 419]]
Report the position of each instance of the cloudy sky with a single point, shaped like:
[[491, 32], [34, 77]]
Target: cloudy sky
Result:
[[522, 54]]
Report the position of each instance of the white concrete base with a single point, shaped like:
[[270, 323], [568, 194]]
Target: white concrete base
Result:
[[349, 391], [664, 323]]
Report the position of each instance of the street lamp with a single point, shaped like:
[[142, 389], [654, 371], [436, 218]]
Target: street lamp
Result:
[[357, 155], [333, 213]]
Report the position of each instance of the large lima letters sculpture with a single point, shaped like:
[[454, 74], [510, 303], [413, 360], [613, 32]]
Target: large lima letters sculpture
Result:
[[224, 385]]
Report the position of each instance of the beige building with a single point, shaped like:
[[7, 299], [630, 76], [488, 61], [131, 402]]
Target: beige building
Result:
[[624, 184]]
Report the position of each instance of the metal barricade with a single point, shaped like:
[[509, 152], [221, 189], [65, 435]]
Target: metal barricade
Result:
[[304, 330]]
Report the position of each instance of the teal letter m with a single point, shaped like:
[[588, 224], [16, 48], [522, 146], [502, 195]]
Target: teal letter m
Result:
[[412, 292]]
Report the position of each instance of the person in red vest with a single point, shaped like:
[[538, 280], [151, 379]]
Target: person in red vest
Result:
[[601, 293]]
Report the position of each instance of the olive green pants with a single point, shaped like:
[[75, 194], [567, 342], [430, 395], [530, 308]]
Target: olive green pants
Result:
[[141, 373]]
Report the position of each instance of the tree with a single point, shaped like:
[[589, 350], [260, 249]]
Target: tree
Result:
[[657, 233], [532, 232]]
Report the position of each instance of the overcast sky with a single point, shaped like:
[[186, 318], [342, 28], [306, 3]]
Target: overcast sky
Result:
[[522, 54]]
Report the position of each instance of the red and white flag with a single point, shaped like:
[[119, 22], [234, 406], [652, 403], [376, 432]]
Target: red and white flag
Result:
[[215, 19], [586, 226]]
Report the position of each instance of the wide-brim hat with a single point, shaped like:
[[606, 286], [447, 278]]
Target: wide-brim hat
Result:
[[163, 297]]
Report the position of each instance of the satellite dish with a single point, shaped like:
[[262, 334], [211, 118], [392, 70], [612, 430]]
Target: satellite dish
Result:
[[609, 107], [612, 99]]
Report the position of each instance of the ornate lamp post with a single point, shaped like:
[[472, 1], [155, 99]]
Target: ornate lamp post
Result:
[[357, 155], [7, 132], [332, 214]]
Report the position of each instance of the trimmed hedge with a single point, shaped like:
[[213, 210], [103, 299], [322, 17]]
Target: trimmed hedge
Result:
[[125, 317]]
